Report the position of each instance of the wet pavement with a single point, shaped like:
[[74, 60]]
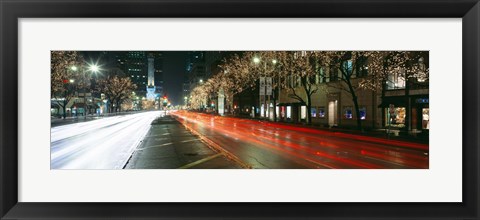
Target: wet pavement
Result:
[[267, 145], [169, 145]]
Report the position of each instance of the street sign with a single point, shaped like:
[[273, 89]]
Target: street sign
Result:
[[221, 104], [262, 85], [268, 82]]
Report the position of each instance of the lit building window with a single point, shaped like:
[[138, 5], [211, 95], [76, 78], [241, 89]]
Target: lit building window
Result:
[[321, 112], [348, 67], [396, 80], [363, 113], [425, 118], [395, 117], [303, 112], [314, 112], [289, 111], [347, 113]]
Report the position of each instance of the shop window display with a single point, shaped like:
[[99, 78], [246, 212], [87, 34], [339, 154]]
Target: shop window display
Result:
[[321, 112], [396, 118], [303, 112], [363, 113], [425, 118], [314, 112], [348, 113]]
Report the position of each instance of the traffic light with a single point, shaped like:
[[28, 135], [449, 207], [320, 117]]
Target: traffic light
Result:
[[165, 101]]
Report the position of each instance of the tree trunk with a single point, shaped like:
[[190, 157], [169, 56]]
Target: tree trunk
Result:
[[355, 103], [309, 107], [357, 112], [275, 105], [64, 107], [118, 106]]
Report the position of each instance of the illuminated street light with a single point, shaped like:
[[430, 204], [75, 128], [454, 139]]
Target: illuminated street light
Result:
[[274, 61], [256, 60], [94, 68], [72, 80], [201, 80], [74, 68]]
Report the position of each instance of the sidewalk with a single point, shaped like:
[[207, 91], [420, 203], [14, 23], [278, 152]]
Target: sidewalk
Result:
[[169, 145]]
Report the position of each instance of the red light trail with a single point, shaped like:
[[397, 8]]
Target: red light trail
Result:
[[276, 145]]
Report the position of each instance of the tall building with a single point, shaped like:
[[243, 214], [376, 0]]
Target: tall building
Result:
[[186, 92], [135, 64], [196, 68], [194, 57], [158, 72], [212, 60], [151, 80]]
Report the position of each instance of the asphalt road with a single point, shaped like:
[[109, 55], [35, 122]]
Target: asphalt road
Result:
[[169, 145], [99, 144], [274, 145]]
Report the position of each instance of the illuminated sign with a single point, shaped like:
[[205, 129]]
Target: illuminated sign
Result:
[[421, 100]]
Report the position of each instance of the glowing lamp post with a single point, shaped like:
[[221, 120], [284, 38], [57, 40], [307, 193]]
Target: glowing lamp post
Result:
[[94, 69], [263, 88]]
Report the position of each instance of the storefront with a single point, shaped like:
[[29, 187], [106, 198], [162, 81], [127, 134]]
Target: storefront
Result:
[[290, 112], [406, 113], [394, 111], [420, 113]]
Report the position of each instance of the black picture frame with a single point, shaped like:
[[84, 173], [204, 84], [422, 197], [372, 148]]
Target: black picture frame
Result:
[[12, 10]]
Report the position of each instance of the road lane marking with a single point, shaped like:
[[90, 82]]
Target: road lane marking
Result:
[[216, 147], [190, 140], [200, 161], [153, 146]]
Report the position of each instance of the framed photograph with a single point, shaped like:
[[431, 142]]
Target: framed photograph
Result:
[[251, 110]]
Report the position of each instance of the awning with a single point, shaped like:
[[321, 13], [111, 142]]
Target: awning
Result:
[[290, 104], [90, 106], [396, 101]]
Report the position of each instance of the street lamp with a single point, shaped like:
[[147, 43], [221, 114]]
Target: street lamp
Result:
[[257, 60], [94, 68]]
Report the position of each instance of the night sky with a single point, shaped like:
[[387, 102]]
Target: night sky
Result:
[[174, 68], [174, 64]]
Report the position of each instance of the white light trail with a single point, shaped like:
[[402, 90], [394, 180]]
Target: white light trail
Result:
[[99, 144]]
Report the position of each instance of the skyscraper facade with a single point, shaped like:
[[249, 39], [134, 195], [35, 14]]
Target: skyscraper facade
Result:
[[135, 64]]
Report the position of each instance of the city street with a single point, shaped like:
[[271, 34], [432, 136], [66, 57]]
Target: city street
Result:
[[275, 145], [153, 140], [173, 109], [99, 144], [169, 145]]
